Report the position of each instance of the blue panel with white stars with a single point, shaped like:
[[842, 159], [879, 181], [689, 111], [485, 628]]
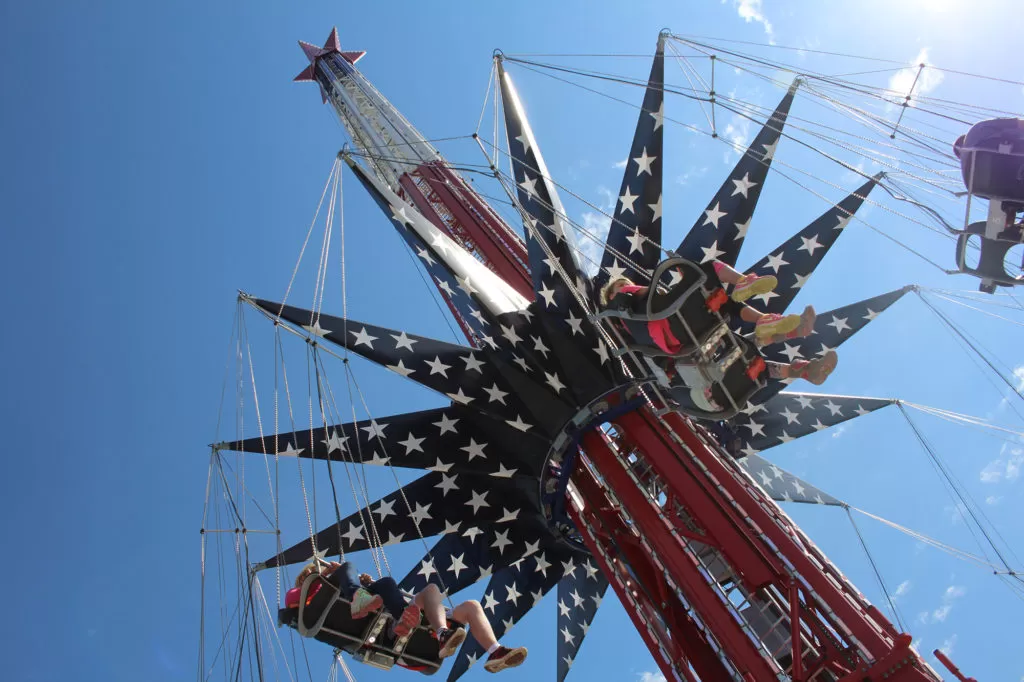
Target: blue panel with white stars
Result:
[[783, 486], [633, 245], [580, 593], [794, 261], [719, 233], [550, 250], [790, 415]]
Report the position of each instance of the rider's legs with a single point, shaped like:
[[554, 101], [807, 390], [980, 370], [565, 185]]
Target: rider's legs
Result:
[[744, 286], [815, 371], [433, 606], [472, 614], [499, 658], [387, 589]]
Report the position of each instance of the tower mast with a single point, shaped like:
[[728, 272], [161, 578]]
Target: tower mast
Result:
[[412, 167]]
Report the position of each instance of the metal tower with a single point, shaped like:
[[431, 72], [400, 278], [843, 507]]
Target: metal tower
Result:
[[719, 581], [406, 161]]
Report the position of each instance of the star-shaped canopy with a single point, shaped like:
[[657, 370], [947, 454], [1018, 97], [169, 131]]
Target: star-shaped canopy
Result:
[[535, 366]]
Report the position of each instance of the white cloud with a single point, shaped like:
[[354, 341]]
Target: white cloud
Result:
[[993, 499], [992, 472], [651, 677], [903, 80], [808, 44], [902, 589], [840, 430], [948, 644], [956, 512], [1006, 467], [1018, 372], [620, 164], [595, 224], [1014, 464], [939, 615], [692, 173], [750, 10], [609, 198], [736, 131], [591, 245]]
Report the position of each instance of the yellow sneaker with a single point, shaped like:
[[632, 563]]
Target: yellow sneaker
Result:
[[749, 286], [773, 324]]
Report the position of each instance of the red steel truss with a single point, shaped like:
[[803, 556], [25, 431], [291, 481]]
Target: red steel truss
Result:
[[718, 580]]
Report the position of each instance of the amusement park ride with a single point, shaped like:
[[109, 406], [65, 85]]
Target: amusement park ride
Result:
[[600, 467]]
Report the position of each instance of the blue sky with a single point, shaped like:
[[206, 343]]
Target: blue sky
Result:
[[158, 158]]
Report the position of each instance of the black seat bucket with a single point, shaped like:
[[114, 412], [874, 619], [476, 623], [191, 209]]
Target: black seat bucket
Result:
[[328, 619], [734, 378], [991, 262], [992, 159], [686, 303]]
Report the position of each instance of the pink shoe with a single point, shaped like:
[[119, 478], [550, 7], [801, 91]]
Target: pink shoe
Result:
[[408, 622], [807, 320]]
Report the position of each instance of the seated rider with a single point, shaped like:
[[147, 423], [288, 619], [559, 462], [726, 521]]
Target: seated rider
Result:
[[769, 327], [371, 594], [366, 598]]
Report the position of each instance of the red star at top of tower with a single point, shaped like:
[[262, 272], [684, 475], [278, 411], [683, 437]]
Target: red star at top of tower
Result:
[[314, 53]]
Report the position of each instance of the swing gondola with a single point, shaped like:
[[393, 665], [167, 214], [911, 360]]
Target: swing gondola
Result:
[[715, 371], [992, 164], [327, 617]]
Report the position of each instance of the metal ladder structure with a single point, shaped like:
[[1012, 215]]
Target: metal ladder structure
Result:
[[694, 546]]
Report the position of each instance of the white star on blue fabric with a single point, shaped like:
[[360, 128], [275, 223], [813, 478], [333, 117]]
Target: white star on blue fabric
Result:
[[363, 338], [743, 186], [713, 215]]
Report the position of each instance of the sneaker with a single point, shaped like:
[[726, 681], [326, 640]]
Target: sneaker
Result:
[[817, 370], [749, 286], [408, 622], [449, 641], [807, 319], [503, 658], [773, 324], [803, 330], [364, 603]]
